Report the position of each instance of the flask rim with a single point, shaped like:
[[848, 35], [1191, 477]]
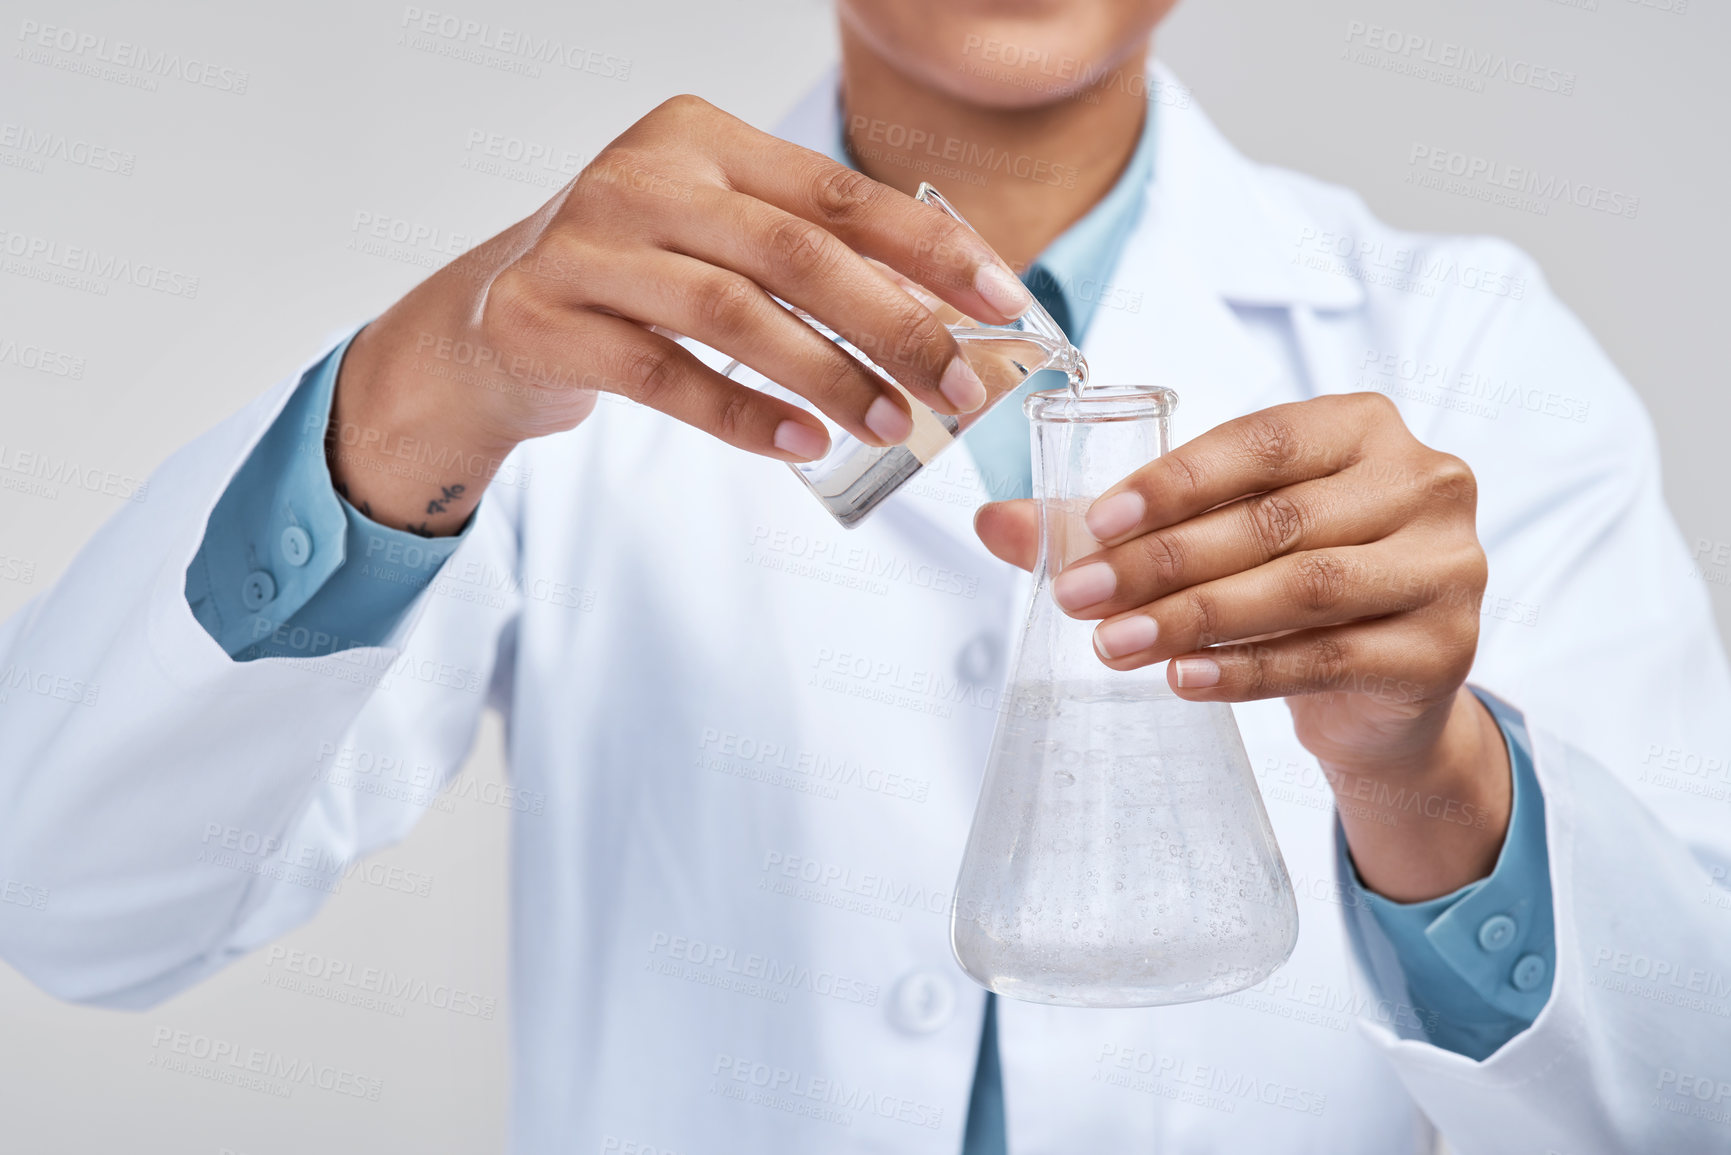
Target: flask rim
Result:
[[1100, 403]]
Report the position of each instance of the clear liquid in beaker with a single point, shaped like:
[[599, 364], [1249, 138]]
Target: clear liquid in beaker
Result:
[[853, 478]]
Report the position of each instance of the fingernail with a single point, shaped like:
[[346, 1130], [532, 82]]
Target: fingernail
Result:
[[1125, 637], [886, 419], [1079, 588], [1117, 514], [801, 440], [1002, 290], [1195, 673], [961, 386]]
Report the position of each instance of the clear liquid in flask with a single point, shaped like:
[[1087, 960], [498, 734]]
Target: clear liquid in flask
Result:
[[1118, 858]]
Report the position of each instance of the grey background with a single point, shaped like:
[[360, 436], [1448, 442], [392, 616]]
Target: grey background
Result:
[[257, 194]]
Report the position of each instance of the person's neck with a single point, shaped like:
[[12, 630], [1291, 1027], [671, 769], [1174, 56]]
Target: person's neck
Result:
[[1021, 176]]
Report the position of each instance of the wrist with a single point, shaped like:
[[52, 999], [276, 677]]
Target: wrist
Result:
[[1435, 821], [399, 446]]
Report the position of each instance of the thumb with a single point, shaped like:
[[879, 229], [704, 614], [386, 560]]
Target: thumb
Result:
[[1011, 530]]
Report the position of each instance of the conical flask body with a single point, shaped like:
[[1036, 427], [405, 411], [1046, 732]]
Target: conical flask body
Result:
[[1120, 853]]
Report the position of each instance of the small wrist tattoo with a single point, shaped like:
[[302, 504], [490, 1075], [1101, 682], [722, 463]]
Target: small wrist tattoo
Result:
[[365, 507], [448, 494]]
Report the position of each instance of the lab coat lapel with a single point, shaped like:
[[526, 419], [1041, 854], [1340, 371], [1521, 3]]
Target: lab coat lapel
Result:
[[1177, 332], [1214, 239]]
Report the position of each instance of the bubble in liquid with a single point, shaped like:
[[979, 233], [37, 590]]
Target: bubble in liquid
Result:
[[1064, 778]]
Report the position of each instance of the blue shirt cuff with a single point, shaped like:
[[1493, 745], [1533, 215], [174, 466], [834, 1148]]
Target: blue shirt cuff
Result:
[[1479, 961], [288, 568]]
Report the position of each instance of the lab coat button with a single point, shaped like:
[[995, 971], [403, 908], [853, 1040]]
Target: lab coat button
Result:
[[257, 590], [1497, 931], [297, 545], [922, 1002], [1530, 971], [978, 661]]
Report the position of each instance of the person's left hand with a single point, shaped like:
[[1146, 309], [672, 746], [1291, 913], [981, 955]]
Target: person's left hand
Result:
[[1318, 552]]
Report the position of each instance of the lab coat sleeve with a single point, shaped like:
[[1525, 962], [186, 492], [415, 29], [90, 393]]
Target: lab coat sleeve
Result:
[[1598, 629], [170, 808]]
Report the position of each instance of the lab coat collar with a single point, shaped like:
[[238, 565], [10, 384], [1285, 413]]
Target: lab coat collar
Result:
[[1245, 232]]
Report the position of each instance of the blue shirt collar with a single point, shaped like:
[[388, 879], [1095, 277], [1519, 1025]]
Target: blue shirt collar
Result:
[[1084, 256]]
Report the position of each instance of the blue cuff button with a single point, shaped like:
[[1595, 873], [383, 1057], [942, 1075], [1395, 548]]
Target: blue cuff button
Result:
[[297, 545], [1498, 931], [257, 590], [1530, 971]]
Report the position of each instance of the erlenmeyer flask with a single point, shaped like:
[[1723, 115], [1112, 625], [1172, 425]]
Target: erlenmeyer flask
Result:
[[854, 478], [1120, 854]]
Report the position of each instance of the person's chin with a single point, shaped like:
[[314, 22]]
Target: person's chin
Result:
[[988, 86]]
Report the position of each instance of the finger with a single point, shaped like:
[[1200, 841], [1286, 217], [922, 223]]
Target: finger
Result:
[[650, 369], [1230, 539], [732, 314], [878, 221], [804, 264], [1395, 661], [1255, 453], [1011, 530], [1304, 591]]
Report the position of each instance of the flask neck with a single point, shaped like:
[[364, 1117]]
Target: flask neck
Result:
[[1084, 443]]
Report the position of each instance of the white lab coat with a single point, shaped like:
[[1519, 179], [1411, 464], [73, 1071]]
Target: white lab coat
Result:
[[709, 685]]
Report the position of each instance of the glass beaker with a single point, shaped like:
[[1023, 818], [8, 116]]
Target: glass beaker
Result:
[[1120, 854], [854, 478]]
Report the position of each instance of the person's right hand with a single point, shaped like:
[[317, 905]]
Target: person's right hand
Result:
[[688, 223]]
